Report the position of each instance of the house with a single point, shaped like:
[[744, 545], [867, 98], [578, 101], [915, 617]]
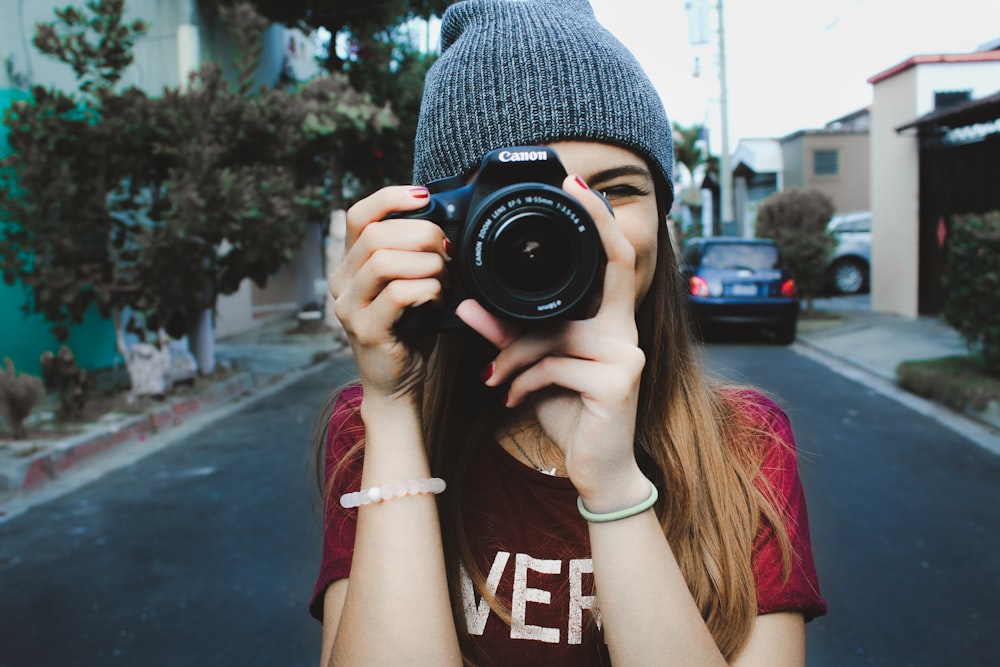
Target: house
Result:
[[833, 159], [757, 173], [934, 153], [182, 34]]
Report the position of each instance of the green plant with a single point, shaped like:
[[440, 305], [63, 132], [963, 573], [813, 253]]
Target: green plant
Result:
[[19, 394], [796, 218], [71, 383], [117, 201], [972, 280], [959, 382]]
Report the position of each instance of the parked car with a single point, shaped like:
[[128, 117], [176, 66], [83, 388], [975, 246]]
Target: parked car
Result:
[[738, 281], [850, 266]]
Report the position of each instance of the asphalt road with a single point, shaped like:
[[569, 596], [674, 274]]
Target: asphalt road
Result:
[[205, 552], [904, 516]]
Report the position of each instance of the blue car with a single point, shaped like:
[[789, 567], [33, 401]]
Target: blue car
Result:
[[737, 281]]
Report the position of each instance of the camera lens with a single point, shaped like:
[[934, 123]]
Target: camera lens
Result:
[[532, 254]]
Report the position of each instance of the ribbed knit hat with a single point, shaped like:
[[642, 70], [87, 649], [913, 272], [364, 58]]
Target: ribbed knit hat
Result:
[[524, 72]]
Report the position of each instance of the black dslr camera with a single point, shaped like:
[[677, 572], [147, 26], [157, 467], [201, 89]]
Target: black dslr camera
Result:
[[524, 248]]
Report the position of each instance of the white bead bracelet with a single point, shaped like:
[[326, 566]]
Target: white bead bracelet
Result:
[[377, 494]]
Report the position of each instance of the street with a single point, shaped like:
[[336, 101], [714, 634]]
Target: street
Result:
[[205, 552]]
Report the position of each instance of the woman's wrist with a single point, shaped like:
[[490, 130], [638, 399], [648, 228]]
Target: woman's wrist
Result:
[[616, 493]]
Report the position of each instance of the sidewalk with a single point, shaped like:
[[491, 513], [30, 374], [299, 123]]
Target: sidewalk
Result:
[[261, 360], [864, 345], [868, 346]]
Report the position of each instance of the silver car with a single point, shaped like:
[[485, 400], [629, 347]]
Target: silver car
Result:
[[850, 265]]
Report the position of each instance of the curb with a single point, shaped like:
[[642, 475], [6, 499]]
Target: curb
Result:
[[63, 456], [969, 424]]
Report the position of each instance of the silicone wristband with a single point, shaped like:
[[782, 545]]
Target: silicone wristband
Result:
[[620, 514]]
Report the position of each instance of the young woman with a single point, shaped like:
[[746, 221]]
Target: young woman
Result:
[[605, 503]]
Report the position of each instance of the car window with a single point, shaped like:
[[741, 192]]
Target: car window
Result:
[[853, 226], [691, 255], [755, 256]]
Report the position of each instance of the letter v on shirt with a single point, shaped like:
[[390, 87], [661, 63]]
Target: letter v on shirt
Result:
[[477, 612]]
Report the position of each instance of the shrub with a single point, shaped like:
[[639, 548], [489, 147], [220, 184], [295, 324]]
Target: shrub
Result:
[[972, 280], [19, 394], [63, 377], [796, 218]]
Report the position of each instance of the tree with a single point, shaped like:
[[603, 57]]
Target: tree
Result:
[[688, 146], [796, 218], [117, 201]]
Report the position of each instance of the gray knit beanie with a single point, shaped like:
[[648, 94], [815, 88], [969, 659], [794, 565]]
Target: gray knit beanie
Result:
[[524, 72]]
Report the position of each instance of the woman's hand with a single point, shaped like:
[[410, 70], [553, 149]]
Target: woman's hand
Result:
[[388, 266], [581, 377]]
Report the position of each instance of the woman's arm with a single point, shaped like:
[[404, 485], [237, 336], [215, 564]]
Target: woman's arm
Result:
[[395, 609]]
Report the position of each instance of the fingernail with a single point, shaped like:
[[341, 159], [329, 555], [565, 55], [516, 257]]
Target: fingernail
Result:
[[449, 248], [420, 193], [581, 182], [487, 372], [506, 399]]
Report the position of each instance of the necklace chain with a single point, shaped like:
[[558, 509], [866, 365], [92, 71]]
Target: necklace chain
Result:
[[550, 471]]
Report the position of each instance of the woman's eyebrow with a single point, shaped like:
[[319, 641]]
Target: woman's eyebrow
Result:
[[616, 172]]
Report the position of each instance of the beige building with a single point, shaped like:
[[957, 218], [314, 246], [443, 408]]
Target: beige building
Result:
[[833, 160], [901, 94]]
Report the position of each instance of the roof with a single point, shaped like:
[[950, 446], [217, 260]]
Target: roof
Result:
[[977, 57], [974, 111], [759, 155]]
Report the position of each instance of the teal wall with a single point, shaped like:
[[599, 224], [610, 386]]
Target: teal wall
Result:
[[24, 338]]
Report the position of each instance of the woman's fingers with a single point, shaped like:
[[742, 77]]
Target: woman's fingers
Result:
[[382, 204], [605, 382], [500, 333], [374, 323], [618, 297]]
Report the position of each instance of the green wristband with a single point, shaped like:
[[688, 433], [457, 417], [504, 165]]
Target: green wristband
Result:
[[620, 514]]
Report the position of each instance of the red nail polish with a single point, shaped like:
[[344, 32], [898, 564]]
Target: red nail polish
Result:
[[449, 248], [581, 182], [420, 193], [487, 372]]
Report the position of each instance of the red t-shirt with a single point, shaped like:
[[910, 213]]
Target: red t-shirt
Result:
[[535, 549]]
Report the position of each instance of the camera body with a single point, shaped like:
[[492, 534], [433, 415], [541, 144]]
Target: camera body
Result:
[[524, 248]]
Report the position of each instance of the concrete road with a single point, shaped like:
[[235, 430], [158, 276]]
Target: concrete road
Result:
[[204, 553], [904, 516]]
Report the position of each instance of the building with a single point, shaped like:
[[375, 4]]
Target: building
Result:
[[833, 159], [930, 114], [182, 34]]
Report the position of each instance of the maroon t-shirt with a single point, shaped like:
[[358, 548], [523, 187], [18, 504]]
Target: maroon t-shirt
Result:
[[535, 549]]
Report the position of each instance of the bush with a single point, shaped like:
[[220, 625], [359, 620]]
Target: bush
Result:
[[796, 218], [972, 280], [19, 394]]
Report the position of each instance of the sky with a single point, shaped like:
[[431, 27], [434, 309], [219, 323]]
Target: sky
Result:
[[791, 64]]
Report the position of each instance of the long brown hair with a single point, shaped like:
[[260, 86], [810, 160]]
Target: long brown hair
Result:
[[693, 441]]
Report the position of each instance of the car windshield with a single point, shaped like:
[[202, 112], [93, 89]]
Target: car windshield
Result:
[[754, 256]]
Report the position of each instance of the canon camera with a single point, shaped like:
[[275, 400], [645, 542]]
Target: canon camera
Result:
[[524, 248]]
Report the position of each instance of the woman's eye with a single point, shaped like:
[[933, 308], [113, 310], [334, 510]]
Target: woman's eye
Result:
[[620, 191]]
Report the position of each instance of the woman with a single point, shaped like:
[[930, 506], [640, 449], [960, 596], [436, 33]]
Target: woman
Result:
[[605, 503]]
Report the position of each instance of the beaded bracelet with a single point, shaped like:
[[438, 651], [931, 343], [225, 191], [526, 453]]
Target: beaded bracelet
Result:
[[620, 514], [378, 494]]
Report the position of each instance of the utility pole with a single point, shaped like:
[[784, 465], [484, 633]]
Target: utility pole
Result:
[[725, 170]]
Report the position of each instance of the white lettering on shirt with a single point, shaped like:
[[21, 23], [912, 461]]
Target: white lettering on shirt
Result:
[[577, 600], [523, 595], [476, 614]]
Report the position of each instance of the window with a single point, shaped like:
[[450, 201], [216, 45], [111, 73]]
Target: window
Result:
[[949, 98], [826, 163]]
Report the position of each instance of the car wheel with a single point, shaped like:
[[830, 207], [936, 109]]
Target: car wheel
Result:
[[850, 276], [785, 333]]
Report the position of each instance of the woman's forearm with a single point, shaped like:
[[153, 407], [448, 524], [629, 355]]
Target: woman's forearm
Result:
[[648, 614], [397, 609]]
